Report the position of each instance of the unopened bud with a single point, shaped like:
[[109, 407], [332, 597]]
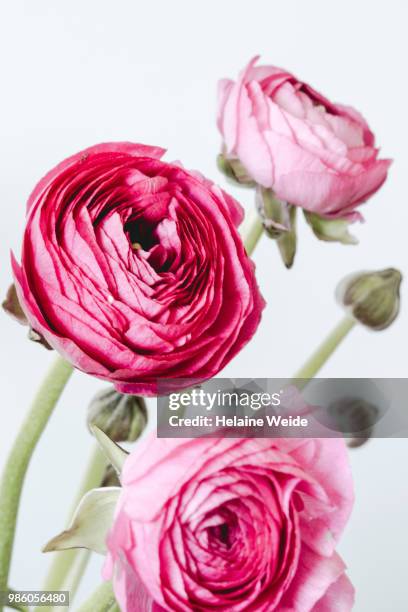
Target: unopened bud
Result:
[[110, 477], [12, 306], [279, 221], [356, 417], [373, 298], [121, 417]]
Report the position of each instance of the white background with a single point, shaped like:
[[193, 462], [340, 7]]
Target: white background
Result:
[[77, 73]]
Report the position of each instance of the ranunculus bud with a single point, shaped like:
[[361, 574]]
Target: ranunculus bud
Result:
[[279, 221], [352, 415], [110, 477], [121, 417], [361, 415], [12, 306], [373, 298]]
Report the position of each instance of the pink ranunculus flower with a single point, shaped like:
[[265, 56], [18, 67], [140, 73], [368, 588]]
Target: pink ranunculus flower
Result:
[[133, 269], [311, 152], [232, 524]]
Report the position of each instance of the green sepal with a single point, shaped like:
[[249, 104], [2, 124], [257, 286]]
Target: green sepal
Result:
[[330, 230]]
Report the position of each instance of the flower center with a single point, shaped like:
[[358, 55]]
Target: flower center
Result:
[[141, 233], [221, 533], [157, 238]]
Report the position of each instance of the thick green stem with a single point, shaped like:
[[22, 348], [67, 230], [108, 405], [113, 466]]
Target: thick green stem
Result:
[[101, 600], [15, 469], [59, 573], [251, 231], [324, 351], [15, 606], [78, 571]]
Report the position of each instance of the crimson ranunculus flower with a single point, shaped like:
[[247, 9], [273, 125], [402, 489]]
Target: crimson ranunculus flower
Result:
[[232, 525], [132, 268]]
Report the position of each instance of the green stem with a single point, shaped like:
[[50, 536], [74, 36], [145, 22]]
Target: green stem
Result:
[[63, 561], [324, 351], [251, 231], [78, 571], [16, 467], [101, 600], [15, 606]]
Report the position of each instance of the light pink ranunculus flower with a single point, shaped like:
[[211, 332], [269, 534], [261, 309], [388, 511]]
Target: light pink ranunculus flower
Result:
[[232, 524], [311, 152], [133, 269]]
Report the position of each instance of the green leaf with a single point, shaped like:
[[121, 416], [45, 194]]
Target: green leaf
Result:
[[16, 606], [115, 454], [91, 522]]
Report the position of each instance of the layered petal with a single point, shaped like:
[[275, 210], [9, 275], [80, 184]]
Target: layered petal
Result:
[[233, 524], [291, 139], [133, 269]]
